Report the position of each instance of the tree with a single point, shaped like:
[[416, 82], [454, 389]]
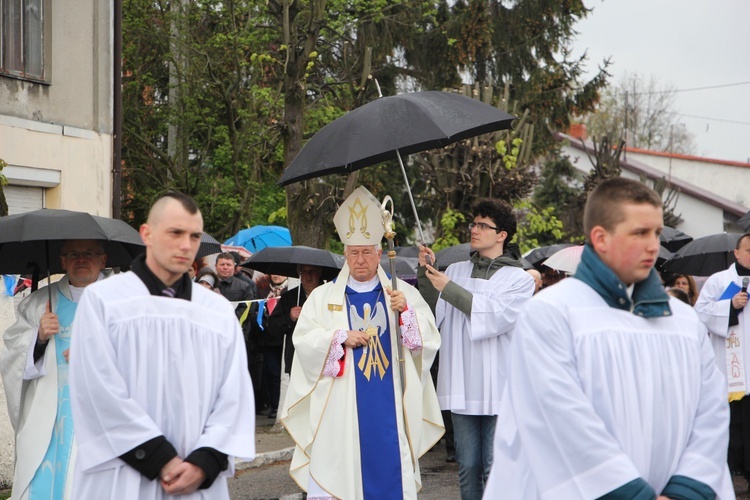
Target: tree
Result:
[[215, 136], [219, 96], [641, 112], [559, 187], [3, 183]]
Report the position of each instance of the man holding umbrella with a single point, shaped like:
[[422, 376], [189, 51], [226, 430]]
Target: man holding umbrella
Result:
[[34, 368], [477, 303], [720, 306], [358, 426]]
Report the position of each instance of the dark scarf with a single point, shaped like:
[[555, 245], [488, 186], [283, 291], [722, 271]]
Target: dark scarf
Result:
[[651, 301], [182, 287], [485, 268], [741, 270]]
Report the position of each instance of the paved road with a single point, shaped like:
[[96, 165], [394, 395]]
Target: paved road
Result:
[[439, 480]]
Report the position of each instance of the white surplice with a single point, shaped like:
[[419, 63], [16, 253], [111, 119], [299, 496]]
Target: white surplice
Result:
[[142, 366], [715, 315], [598, 397], [472, 356], [320, 412]]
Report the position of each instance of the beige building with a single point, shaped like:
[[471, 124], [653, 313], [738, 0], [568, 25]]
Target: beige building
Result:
[[56, 104]]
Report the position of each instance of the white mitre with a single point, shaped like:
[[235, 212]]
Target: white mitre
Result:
[[359, 221]]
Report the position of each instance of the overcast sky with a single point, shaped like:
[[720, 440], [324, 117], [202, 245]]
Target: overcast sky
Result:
[[687, 44]]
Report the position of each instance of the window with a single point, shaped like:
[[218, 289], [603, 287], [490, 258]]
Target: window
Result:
[[22, 38]]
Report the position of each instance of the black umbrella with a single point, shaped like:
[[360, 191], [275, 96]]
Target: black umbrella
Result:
[[673, 239], [389, 127], [284, 261], [410, 251], [538, 255], [405, 266], [452, 254], [32, 241], [704, 256], [209, 246]]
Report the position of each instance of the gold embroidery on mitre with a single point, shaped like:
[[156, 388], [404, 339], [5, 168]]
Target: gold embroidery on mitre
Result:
[[357, 211]]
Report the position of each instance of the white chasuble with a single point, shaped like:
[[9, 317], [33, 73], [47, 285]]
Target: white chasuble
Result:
[[321, 412]]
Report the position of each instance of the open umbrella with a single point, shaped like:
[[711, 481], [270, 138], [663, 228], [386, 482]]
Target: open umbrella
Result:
[[257, 238], [410, 251], [284, 261], [538, 255], [452, 254], [405, 266], [673, 239], [704, 256], [209, 245], [388, 127], [566, 259], [32, 241]]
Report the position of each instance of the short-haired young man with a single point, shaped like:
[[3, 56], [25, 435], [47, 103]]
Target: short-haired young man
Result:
[[479, 301], [161, 398], [613, 391]]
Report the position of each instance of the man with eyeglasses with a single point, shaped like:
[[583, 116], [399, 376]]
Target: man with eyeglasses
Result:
[[476, 304], [356, 434], [34, 368]]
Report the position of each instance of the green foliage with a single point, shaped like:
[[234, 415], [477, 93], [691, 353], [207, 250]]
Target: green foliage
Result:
[[220, 95], [537, 226], [449, 222]]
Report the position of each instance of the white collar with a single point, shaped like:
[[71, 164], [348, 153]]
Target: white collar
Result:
[[363, 286]]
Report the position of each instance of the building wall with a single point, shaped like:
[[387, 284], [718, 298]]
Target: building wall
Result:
[[699, 217], [726, 180], [57, 135], [78, 70]]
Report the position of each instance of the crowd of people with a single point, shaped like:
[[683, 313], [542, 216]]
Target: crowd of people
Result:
[[604, 384]]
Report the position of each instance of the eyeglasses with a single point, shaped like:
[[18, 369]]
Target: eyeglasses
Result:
[[482, 226], [81, 255]]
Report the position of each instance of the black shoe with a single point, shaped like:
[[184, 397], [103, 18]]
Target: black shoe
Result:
[[450, 458], [272, 413]]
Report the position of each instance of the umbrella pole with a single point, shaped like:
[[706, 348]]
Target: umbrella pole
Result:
[[389, 235], [411, 199], [49, 289], [299, 289]]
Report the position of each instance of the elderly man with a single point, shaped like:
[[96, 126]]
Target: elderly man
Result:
[[35, 375], [721, 306], [356, 434], [613, 391], [159, 386]]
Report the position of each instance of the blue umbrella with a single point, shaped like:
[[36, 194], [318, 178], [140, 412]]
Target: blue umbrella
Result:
[[257, 238]]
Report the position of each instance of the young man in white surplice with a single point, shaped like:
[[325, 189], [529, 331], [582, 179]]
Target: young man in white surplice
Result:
[[612, 386]]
